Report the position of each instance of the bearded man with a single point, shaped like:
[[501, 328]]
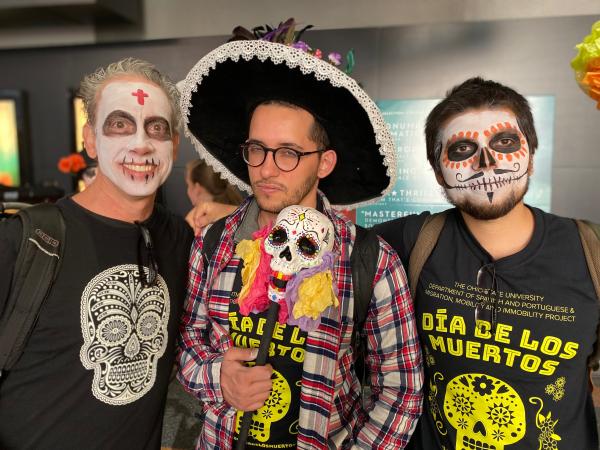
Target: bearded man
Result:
[[505, 305], [293, 129]]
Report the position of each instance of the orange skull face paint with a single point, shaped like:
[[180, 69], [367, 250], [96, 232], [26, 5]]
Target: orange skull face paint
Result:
[[484, 158]]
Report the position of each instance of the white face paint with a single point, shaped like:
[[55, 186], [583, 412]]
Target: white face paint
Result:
[[299, 239], [484, 159], [134, 136]]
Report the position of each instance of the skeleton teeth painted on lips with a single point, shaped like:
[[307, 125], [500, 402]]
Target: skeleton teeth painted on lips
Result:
[[484, 155], [134, 136]]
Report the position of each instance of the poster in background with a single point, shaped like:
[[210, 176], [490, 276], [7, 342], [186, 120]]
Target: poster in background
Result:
[[416, 189], [79, 120], [9, 144]]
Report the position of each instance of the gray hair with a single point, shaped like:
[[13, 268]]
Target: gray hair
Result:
[[92, 83]]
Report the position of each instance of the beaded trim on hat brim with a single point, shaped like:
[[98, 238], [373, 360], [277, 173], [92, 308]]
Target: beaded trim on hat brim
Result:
[[310, 66]]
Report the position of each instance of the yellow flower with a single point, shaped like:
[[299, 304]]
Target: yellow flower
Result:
[[315, 294], [588, 50], [249, 251], [587, 64]]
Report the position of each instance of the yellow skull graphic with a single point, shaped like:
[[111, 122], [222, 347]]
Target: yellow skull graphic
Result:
[[486, 412], [274, 409]]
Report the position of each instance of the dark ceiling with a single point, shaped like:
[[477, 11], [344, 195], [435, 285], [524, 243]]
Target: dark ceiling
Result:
[[40, 13]]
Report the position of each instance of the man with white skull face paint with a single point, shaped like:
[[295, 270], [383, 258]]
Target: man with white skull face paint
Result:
[[484, 162], [304, 142], [504, 280], [133, 129], [95, 371]]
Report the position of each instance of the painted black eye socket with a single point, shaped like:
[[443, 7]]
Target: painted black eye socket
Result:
[[506, 142], [461, 150], [278, 236], [119, 123], [307, 246], [158, 128]]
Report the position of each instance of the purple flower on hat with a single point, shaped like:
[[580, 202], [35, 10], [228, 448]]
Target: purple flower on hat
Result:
[[335, 58], [301, 45]]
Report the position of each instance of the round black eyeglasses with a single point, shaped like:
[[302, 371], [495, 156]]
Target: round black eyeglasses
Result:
[[286, 159]]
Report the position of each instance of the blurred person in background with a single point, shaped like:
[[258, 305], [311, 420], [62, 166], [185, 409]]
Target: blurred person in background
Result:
[[206, 190]]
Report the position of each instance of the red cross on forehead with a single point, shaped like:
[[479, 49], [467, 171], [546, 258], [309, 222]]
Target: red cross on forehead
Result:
[[140, 96]]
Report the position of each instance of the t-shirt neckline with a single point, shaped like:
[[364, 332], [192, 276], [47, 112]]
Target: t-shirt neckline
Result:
[[516, 259], [82, 211]]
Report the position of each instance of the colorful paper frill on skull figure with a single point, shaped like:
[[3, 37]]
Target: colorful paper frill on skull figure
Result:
[[587, 64], [255, 273], [308, 293], [311, 292]]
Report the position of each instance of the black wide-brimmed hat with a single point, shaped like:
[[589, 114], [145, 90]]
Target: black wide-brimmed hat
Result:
[[222, 89]]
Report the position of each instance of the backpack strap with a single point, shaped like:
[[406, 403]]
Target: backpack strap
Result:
[[211, 239], [36, 267], [364, 257], [424, 245], [589, 234], [363, 262]]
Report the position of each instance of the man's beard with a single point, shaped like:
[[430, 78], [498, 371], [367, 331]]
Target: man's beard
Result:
[[294, 198], [491, 211]]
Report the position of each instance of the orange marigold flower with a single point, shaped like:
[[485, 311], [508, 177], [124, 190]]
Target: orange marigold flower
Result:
[[64, 165], [78, 162], [72, 164], [6, 179]]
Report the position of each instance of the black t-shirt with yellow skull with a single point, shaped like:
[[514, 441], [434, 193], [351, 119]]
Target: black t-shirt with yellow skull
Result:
[[519, 379], [275, 424]]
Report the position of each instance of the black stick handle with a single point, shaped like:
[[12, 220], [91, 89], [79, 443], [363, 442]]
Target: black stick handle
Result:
[[261, 359]]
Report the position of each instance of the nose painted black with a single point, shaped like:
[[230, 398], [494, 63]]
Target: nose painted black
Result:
[[286, 253], [485, 159]]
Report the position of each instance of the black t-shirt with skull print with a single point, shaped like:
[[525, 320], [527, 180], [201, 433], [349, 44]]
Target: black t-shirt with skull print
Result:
[[95, 371], [520, 383], [275, 424]]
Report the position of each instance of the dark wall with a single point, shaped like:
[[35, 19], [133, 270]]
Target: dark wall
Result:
[[420, 61]]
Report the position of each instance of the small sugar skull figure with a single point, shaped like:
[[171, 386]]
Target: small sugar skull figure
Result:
[[299, 239]]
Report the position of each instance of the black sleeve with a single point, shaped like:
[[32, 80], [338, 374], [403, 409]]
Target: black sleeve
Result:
[[10, 241], [402, 234], [189, 238]]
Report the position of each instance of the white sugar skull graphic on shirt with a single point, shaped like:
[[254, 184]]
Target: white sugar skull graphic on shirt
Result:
[[124, 327]]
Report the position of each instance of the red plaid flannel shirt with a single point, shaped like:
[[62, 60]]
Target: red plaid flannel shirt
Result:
[[331, 413]]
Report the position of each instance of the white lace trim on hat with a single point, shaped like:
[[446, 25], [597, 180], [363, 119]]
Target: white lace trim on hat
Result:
[[308, 64]]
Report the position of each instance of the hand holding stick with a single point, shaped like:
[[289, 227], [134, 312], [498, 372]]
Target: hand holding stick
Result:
[[261, 360]]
